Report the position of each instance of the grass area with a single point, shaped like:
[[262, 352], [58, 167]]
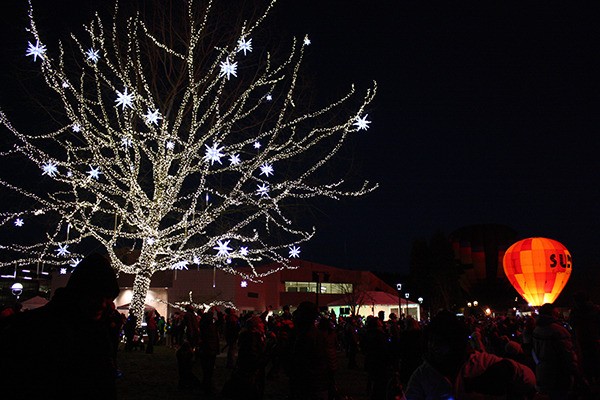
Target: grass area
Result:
[[154, 376]]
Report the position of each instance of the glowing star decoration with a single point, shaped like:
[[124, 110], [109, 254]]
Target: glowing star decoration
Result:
[[228, 69], [180, 265], [124, 99], [49, 169], [126, 142], [256, 145], [152, 117], [269, 97], [362, 123], [63, 271], [196, 260], [170, 145], [19, 222], [65, 84], [69, 174], [223, 248], [234, 159], [150, 241], [74, 262], [307, 41], [94, 172], [244, 251], [93, 55], [294, 251], [213, 154], [76, 128], [245, 45], [244, 283], [266, 169], [63, 250], [263, 190], [37, 50]]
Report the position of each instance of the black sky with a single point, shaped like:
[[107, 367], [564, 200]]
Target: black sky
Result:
[[487, 112]]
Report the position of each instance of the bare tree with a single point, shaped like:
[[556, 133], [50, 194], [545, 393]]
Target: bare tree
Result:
[[179, 140]]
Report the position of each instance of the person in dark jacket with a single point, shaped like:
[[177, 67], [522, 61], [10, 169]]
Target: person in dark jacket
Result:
[[63, 350], [585, 321], [556, 363], [209, 348], [308, 369]]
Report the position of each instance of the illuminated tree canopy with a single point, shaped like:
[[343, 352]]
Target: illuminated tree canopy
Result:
[[184, 141]]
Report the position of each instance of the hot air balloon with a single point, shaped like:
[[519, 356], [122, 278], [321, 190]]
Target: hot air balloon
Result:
[[538, 268]]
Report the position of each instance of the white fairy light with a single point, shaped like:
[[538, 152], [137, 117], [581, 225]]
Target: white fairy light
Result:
[[49, 169], [234, 159], [19, 222], [63, 250], [213, 154], [152, 117]]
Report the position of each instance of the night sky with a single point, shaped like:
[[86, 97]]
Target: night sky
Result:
[[487, 112]]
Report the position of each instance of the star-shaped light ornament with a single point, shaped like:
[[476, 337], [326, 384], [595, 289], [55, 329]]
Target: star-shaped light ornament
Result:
[[49, 169], [93, 55], [170, 145], [180, 265], [266, 169], [63, 250], [65, 84], [94, 172], [126, 142], [269, 97], [37, 50], [124, 99], [244, 250], [19, 222], [234, 159], [307, 41], [150, 241], [76, 128], [263, 190], [213, 153], [362, 123], [228, 69], [294, 251], [245, 45], [196, 260], [152, 117], [223, 248], [63, 271], [256, 145], [74, 262]]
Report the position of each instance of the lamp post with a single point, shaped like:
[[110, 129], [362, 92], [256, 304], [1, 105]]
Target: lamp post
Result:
[[420, 300], [406, 295], [17, 289], [399, 289]]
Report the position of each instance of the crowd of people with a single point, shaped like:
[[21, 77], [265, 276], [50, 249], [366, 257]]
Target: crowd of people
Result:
[[78, 334]]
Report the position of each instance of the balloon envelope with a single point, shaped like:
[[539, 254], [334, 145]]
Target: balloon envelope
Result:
[[538, 268]]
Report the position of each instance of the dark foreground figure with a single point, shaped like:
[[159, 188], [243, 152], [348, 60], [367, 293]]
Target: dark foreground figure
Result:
[[63, 350]]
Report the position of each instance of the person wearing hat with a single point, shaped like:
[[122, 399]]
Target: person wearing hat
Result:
[[63, 350]]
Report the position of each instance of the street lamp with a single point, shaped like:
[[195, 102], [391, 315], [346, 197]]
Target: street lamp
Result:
[[17, 289], [406, 295], [399, 289], [420, 300]]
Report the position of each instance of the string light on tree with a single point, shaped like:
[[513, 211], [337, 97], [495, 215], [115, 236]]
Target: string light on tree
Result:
[[154, 181]]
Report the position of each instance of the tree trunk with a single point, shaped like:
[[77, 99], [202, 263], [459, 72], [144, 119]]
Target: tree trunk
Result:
[[141, 284]]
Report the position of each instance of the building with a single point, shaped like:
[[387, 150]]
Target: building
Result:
[[344, 291]]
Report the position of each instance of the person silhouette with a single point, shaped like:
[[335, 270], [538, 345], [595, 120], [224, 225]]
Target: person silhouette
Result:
[[64, 346]]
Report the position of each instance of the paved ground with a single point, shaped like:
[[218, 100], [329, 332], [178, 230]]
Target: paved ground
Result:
[[154, 376]]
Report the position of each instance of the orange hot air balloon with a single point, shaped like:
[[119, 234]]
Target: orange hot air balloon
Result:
[[538, 268]]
